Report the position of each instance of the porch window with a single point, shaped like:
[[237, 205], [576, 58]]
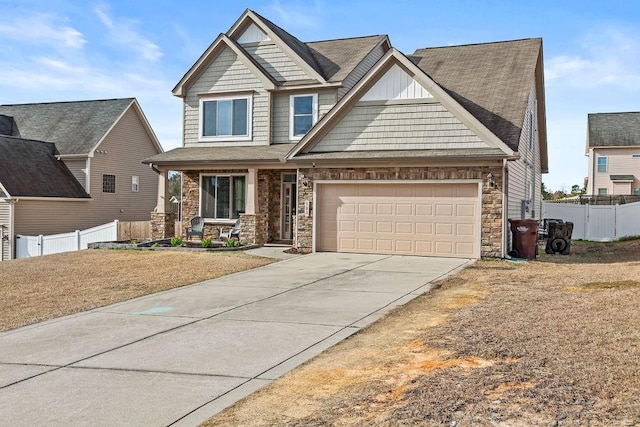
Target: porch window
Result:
[[303, 113], [222, 196], [602, 191], [225, 118], [602, 164]]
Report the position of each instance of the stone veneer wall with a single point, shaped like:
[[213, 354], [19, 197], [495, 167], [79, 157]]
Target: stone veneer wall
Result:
[[163, 225], [491, 237]]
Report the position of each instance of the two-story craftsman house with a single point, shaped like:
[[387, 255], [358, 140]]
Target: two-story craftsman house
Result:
[[348, 145]]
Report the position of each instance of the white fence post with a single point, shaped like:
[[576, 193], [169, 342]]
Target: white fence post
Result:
[[40, 244], [78, 241], [115, 229]]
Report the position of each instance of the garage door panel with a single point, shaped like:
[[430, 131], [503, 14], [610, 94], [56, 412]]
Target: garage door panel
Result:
[[424, 209], [419, 219], [384, 227], [404, 228]]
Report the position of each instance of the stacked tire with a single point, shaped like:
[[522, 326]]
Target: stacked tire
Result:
[[559, 237]]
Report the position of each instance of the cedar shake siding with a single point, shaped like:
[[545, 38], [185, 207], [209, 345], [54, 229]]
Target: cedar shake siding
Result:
[[227, 74]]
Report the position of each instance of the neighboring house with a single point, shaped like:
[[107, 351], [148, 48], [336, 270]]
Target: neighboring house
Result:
[[100, 143], [348, 145], [613, 147]]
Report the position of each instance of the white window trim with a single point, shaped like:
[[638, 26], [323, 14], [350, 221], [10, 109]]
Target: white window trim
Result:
[[247, 137], [135, 184], [220, 220], [606, 165], [314, 119]]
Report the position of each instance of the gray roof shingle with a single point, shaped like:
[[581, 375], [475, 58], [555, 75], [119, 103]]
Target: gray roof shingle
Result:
[[614, 129], [190, 155], [490, 80], [30, 169], [75, 127], [337, 58]]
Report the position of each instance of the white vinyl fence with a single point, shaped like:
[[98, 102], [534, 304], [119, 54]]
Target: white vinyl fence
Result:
[[600, 223], [28, 246]]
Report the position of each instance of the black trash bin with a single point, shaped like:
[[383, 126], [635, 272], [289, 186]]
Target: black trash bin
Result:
[[558, 237], [525, 238]]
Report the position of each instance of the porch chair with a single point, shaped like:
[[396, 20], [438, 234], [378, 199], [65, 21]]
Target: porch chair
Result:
[[234, 232], [197, 228]]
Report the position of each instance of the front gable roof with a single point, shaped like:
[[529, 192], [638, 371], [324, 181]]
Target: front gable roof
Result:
[[76, 128], [219, 44], [429, 88], [30, 168], [613, 129], [298, 51], [492, 81]]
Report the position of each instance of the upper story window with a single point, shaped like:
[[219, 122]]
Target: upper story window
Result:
[[602, 191], [303, 113], [135, 183], [602, 164], [225, 118], [108, 183]]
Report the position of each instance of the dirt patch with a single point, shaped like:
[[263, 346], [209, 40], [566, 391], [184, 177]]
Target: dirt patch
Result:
[[498, 344], [36, 289]]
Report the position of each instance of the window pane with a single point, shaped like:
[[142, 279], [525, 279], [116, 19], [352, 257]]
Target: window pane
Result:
[[238, 196], [302, 124], [303, 105], [602, 164], [108, 183], [208, 202], [240, 117], [209, 118], [223, 202], [224, 117]]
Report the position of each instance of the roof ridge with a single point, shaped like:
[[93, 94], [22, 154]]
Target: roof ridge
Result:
[[69, 102], [348, 38], [615, 112], [478, 44]]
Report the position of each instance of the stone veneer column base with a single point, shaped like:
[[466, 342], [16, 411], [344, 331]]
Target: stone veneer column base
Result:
[[253, 228], [163, 225]]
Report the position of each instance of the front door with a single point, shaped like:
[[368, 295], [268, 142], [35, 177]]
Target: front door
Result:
[[288, 208]]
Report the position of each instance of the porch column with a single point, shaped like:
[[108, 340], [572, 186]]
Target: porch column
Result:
[[251, 204], [163, 192]]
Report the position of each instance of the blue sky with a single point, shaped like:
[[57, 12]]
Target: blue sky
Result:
[[73, 50]]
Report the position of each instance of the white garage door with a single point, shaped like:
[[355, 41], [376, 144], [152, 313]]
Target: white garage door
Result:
[[412, 219]]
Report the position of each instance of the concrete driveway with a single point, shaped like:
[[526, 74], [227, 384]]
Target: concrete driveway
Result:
[[178, 357]]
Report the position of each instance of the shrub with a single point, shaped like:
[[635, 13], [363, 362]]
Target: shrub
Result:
[[205, 243], [176, 241], [232, 243]]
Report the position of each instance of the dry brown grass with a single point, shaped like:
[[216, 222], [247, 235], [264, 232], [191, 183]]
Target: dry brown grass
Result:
[[36, 289], [543, 343]]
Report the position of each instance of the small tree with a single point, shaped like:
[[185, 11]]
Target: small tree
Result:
[[175, 182]]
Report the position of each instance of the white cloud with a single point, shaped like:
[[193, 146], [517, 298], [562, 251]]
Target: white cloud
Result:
[[123, 33], [608, 57], [42, 29], [292, 15]]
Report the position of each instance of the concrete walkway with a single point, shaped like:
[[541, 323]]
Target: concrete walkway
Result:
[[178, 357]]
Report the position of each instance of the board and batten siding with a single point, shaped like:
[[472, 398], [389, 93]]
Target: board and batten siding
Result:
[[620, 161], [5, 228], [226, 74], [78, 168], [119, 154], [524, 171], [357, 73], [275, 62], [398, 127], [281, 112]]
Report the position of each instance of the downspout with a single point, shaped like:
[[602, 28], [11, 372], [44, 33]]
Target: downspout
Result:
[[505, 207]]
